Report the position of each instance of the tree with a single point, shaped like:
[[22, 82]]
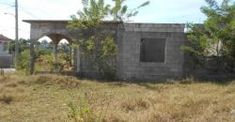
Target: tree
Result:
[[92, 47], [23, 45], [120, 11], [92, 14], [23, 56], [99, 48], [216, 36], [94, 11]]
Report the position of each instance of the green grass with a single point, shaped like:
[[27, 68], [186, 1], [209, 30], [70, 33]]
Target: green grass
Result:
[[46, 98]]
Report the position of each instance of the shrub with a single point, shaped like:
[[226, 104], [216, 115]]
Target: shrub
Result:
[[46, 62], [23, 60]]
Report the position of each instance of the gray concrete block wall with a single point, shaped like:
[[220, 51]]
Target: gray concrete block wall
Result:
[[132, 69], [39, 30], [87, 67]]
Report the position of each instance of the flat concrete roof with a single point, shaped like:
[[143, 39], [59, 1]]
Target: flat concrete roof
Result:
[[143, 27], [41, 21], [30, 21]]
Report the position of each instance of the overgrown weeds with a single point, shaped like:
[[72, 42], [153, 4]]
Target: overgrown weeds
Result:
[[65, 81], [54, 98]]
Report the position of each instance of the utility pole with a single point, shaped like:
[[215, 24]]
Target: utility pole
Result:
[[16, 33]]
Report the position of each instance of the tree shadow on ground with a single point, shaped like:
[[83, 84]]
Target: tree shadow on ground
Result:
[[153, 85]]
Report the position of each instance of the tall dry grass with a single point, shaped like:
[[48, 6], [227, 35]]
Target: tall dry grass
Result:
[[47, 97]]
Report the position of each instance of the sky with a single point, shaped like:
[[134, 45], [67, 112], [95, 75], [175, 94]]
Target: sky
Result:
[[158, 11]]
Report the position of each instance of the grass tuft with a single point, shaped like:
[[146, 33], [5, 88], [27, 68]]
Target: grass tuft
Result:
[[135, 104], [11, 84], [7, 99], [65, 81]]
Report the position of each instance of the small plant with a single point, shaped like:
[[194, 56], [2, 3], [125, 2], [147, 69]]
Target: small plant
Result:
[[2, 71], [84, 111], [81, 112], [74, 112]]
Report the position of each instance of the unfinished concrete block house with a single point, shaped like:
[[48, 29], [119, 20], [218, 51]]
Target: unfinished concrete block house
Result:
[[145, 51]]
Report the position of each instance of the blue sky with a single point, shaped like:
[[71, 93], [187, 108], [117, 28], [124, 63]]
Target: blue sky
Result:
[[159, 11]]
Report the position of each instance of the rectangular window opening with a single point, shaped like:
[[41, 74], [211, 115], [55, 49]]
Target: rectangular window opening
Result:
[[152, 50]]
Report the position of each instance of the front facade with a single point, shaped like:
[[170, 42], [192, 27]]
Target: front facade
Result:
[[145, 51], [151, 52]]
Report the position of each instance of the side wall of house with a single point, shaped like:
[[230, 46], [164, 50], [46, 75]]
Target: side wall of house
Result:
[[130, 66], [6, 59]]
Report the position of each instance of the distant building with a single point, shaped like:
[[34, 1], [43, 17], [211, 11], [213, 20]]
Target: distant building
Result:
[[5, 57]]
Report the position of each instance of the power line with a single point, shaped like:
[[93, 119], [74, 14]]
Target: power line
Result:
[[7, 4], [24, 11], [21, 8], [11, 28], [5, 7], [29, 13]]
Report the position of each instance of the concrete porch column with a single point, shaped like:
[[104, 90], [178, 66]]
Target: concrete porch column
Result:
[[55, 40], [55, 47], [32, 57]]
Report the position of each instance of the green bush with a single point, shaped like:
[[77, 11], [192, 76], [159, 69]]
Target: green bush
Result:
[[23, 60]]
